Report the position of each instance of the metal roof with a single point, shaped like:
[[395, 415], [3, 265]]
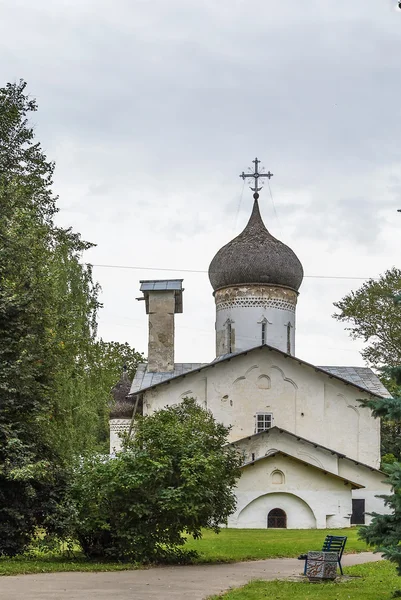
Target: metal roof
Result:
[[162, 285], [148, 285], [144, 379], [360, 377]]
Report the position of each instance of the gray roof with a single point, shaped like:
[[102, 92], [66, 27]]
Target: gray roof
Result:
[[160, 284], [255, 256], [361, 377], [144, 380]]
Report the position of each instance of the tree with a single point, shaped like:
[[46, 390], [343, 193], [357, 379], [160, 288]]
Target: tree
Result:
[[175, 476], [374, 318], [384, 532], [30, 472], [55, 377]]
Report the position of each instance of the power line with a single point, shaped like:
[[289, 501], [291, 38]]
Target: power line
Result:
[[274, 206], [135, 268]]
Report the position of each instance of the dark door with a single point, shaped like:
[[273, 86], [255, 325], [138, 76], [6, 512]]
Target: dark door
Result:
[[277, 519], [358, 512]]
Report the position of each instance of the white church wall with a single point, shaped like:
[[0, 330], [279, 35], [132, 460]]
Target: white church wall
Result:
[[309, 498], [117, 427], [259, 445], [246, 325], [374, 484], [254, 314], [301, 400]]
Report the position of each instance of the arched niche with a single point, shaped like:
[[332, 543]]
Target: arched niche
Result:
[[299, 514], [277, 477]]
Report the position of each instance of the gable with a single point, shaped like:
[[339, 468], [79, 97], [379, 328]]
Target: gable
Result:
[[299, 398], [360, 377], [296, 474]]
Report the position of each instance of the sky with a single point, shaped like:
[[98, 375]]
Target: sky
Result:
[[152, 109]]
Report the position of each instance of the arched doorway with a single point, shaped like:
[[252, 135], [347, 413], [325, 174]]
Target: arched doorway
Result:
[[277, 519]]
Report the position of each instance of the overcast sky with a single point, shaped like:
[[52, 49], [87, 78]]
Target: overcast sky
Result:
[[151, 110]]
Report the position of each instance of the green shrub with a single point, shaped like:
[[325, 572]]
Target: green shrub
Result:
[[174, 477]]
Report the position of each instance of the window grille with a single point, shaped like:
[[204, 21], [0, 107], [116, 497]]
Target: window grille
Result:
[[263, 421]]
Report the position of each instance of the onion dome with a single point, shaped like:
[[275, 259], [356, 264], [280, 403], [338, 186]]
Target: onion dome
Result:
[[122, 405], [255, 256]]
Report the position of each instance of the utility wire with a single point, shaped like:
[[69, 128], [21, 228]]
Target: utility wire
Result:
[[135, 268], [239, 205], [274, 206]]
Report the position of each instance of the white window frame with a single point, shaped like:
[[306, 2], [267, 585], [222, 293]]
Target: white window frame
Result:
[[263, 421]]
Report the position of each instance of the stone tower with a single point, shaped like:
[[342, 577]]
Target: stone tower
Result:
[[255, 279]]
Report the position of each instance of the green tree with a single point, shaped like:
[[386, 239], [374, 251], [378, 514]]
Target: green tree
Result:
[[175, 476], [48, 309], [385, 530], [374, 317], [30, 470]]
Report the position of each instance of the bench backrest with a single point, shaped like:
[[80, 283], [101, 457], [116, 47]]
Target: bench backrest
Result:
[[334, 543]]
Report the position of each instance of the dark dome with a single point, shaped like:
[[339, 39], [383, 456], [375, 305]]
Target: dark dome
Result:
[[255, 256]]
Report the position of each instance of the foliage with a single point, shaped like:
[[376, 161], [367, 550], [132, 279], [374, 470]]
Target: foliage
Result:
[[55, 379], [175, 476], [373, 312], [371, 581], [30, 468], [384, 533], [374, 317]]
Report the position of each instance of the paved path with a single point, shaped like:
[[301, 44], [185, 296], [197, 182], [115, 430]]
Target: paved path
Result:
[[160, 583]]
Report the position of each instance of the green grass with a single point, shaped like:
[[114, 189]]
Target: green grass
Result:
[[228, 546], [372, 581], [255, 544], [55, 563]]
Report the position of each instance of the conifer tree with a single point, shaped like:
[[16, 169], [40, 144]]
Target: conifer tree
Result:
[[384, 532]]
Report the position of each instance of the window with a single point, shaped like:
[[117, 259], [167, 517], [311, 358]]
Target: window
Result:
[[263, 421], [263, 332], [230, 336]]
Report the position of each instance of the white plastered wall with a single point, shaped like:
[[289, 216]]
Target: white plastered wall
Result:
[[310, 498], [302, 400], [246, 323], [117, 428], [373, 481]]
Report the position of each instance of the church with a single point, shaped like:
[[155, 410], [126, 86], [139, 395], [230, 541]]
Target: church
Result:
[[311, 453]]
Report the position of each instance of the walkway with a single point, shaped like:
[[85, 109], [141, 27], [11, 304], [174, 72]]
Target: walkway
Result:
[[160, 583]]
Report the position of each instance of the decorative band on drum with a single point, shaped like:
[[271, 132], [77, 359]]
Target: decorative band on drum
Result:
[[258, 302]]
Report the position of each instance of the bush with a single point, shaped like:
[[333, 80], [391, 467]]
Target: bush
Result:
[[175, 477]]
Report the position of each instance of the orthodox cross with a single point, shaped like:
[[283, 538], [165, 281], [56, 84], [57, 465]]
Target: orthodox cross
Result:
[[256, 176]]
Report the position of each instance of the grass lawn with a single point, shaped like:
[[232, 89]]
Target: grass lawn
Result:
[[372, 581], [54, 563], [255, 544], [228, 546]]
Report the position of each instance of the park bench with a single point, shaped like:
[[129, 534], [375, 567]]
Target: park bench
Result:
[[332, 543]]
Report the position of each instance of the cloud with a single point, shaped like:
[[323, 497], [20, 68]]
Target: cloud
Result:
[[152, 109]]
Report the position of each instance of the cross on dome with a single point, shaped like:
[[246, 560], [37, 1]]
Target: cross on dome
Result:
[[256, 176]]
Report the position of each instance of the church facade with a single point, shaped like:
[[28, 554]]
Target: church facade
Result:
[[311, 453]]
